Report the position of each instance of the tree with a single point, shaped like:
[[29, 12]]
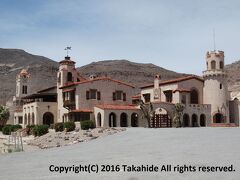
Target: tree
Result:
[[147, 110], [178, 113], [4, 115]]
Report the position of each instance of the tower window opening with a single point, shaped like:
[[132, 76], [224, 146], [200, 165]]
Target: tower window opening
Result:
[[221, 65], [213, 64], [220, 86], [69, 77]]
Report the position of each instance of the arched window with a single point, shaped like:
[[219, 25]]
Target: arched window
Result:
[[69, 77], [29, 119], [221, 65], [194, 96], [213, 64], [25, 119], [123, 120], [186, 122]]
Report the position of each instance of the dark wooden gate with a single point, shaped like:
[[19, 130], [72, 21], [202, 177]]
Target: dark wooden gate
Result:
[[161, 121]]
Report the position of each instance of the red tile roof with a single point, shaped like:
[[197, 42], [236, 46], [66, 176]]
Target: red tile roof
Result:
[[182, 90], [81, 110], [136, 96], [117, 107], [174, 81], [97, 79]]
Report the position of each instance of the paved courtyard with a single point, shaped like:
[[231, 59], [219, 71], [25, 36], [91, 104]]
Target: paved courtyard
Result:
[[136, 146]]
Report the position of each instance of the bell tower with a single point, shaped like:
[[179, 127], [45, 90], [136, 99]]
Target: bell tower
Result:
[[215, 90], [22, 84]]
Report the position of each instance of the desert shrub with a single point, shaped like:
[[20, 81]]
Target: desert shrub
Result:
[[29, 129], [58, 127], [40, 130], [16, 127], [70, 126], [87, 124], [7, 129]]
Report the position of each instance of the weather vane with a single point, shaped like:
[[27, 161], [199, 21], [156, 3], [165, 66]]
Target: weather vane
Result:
[[68, 49]]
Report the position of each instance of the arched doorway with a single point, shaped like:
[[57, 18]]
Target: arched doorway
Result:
[[186, 122], [218, 118], [134, 120], [112, 120], [161, 119], [123, 120], [194, 120], [194, 96], [202, 120], [48, 118], [99, 120]]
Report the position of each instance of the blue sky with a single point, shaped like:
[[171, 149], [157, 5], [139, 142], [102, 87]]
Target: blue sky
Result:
[[173, 34]]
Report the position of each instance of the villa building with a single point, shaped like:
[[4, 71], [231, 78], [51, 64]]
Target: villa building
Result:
[[113, 103]]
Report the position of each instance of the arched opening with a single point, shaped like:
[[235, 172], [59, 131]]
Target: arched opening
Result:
[[123, 120], [69, 77], [29, 119], [25, 119], [218, 118], [99, 120], [134, 120], [194, 96], [202, 120], [48, 118], [112, 120], [213, 64], [221, 65], [186, 122], [194, 120], [33, 119]]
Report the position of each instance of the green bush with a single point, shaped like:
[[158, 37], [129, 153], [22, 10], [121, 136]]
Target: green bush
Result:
[[1, 126], [88, 124], [70, 126], [7, 129], [58, 127], [29, 129], [40, 130]]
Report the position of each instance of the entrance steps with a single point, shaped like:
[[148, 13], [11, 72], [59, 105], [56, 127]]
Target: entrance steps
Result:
[[223, 125]]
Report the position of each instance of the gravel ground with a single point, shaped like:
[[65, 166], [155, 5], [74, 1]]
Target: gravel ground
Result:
[[137, 146]]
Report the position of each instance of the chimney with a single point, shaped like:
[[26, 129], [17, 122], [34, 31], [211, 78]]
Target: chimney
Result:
[[157, 81]]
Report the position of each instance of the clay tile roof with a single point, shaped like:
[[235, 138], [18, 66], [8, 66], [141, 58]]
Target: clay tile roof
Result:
[[81, 110], [182, 90], [174, 81], [67, 60], [98, 79], [117, 107]]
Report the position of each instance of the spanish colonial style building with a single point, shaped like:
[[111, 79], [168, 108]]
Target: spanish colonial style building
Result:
[[113, 103]]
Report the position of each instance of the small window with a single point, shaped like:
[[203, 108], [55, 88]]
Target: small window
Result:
[[114, 96], [124, 97], [118, 95], [168, 95], [93, 94], [213, 64], [24, 89], [221, 65], [147, 97], [220, 86], [98, 95], [20, 120]]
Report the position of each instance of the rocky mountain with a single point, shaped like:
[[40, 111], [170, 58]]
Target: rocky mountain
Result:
[[43, 72], [134, 73], [12, 61]]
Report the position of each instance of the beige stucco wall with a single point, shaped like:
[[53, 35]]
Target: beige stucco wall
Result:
[[39, 108], [105, 117], [106, 87]]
